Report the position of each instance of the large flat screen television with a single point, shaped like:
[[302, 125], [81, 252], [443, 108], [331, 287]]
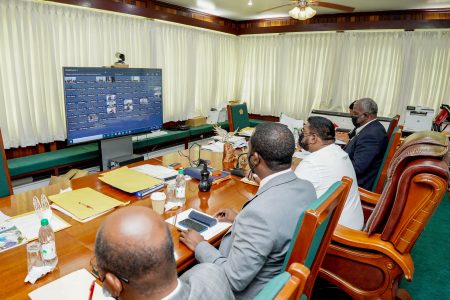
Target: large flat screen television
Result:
[[104, 103]]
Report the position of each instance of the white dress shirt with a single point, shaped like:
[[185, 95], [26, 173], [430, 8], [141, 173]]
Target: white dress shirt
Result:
[[326, 166]]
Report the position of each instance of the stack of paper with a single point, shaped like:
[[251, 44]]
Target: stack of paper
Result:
[[128, 180], [84, 204], [247, 131], [75, 285], [159, 172]]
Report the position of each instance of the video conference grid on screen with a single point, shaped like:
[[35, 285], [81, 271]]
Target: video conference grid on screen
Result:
[[103, 103]]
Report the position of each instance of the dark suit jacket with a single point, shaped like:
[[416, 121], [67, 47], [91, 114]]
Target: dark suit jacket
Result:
[[366, 151]]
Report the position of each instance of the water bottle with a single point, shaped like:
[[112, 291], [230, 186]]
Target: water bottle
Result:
[[48, 247], [180, 188]]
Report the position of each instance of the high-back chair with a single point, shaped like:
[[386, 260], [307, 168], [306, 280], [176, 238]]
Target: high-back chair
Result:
[[370, 263], [392, 126], [312, 236], [392, 146], [238, 116], [287, 285], [5, 181]]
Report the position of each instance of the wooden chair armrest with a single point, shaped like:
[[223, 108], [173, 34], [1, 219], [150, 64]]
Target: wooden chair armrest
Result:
[[360, 239], [368, 196], [296, 284]]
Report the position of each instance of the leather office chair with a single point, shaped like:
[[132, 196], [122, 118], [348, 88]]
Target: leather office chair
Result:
[[392, 146], [370, 264], [5, 181], [287, 285], [238, 116]]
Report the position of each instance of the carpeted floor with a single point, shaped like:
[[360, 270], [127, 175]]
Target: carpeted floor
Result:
[[431, 256]]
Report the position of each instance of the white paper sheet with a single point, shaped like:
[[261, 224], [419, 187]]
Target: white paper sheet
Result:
[[160, 172], [208, 234], [3, 217], [74, 286], [29, 224]]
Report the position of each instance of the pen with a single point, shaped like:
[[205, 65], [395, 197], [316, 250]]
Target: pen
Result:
[[91, 290], [87, 206]]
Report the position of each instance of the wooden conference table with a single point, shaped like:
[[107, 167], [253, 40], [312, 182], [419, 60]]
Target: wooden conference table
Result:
[[75, 245]]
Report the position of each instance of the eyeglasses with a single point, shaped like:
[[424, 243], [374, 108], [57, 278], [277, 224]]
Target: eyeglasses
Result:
[[96, 272]]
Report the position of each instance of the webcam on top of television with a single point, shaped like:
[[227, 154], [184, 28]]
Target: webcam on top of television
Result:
[[121, 62]]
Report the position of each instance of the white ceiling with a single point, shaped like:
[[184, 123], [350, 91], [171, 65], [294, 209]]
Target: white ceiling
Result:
[[240, 10]]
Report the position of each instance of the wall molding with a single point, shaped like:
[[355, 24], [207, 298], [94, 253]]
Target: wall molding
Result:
[[399, 19]]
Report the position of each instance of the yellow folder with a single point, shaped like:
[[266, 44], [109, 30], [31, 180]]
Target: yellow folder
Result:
[[129, 180], [85, 202]]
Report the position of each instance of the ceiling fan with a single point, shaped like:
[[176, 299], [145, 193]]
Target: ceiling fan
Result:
[[302, 8]]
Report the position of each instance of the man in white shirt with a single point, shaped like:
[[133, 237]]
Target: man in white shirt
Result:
[[327, 164]]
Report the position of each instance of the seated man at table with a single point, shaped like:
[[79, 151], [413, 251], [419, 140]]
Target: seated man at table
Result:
[[327, 164], [366, 149], [253, 250], [135, 259]]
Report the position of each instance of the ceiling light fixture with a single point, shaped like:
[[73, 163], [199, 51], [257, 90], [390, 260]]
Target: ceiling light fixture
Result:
[[250, 2], [302, 11]]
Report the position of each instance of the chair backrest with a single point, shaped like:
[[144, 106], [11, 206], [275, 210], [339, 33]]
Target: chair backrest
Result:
[[238, 116], [392, 126], [392, 146], [5, 181], [286, 285], [314, 231], [417, 180]]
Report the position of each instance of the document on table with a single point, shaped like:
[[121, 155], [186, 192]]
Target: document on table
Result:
[[128, 180], [29, 224], [84, 203], [73, 286], [207, 234], [159, 172]]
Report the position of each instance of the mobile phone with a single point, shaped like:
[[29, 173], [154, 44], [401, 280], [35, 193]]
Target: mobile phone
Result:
[[194, 225]]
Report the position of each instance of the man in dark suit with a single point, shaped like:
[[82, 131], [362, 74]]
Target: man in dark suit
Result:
[[253, 251], [135, 260], [366, 149]]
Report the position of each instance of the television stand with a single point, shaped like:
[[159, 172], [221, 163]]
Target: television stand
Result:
[[117, 152]]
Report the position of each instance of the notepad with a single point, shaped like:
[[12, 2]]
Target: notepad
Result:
[[74, 286], [159, 172], [128, 180], [85, 203]]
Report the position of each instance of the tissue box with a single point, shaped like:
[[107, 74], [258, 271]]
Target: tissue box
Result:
[[196, 121]]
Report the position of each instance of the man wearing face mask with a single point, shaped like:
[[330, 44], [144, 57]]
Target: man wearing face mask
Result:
[[135, 260], [366, 149], [253, 250], [327, 164]]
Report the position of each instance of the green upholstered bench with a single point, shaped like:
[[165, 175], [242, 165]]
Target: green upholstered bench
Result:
[[28, 165], [52, 160], [206, 128], [161, 139]]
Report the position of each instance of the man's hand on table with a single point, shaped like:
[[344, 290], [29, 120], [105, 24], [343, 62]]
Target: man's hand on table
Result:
[[226, 215], [191, 238]]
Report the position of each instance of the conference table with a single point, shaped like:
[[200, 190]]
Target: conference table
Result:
[[75, 245]]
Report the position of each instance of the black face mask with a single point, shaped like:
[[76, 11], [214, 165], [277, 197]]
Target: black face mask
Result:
[[302, 144], [355, 121]]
